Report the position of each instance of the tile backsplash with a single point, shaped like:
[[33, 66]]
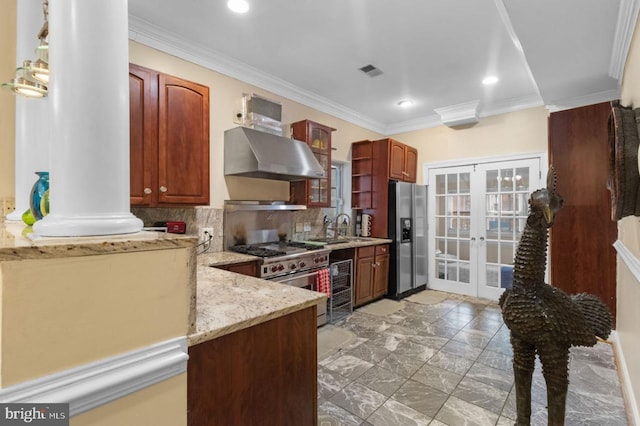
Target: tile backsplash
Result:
[[194, 217], [297, 225]]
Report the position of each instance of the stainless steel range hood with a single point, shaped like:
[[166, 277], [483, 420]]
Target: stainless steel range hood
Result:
[[252, 153]]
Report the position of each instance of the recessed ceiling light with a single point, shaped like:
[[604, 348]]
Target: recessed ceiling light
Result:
[[492, 79], [405, 103], [238, 6]]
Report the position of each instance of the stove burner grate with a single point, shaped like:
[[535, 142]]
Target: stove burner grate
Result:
[[257, 251]]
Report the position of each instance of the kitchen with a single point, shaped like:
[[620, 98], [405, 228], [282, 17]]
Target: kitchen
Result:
[[527, 126]]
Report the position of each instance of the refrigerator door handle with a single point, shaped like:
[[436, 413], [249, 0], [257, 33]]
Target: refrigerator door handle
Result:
[[414, 257]]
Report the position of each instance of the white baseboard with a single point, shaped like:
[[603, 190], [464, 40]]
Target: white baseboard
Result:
[[91, 385], [625, 380]]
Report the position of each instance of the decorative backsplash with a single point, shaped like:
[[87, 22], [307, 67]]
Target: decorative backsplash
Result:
[[254, 226], [194, 217]]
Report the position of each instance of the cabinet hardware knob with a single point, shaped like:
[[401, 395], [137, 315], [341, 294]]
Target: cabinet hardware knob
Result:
[[148, 191], [163, 189]]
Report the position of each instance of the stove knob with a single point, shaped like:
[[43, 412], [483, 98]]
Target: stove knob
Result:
[[302, 264], [292, 266], [316, 260], [280, 267], [274, 268]]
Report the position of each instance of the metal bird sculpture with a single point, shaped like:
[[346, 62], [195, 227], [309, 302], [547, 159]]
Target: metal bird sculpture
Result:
[[544, 320]]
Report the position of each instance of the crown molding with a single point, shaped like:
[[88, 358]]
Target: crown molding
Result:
[[511, 105], [92, 385], [578, 101], [496, 108], [150, 35], [627, 18]]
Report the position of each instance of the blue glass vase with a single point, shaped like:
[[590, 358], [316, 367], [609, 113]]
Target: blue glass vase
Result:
[[38, 190]]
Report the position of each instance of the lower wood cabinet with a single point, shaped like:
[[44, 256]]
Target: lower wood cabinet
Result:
[[372, 273], [244, 268], [262, 375]]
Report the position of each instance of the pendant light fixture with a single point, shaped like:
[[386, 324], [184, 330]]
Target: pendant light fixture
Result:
[[33, 76]]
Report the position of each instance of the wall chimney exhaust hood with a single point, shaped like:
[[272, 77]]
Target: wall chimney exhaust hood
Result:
[[256, 154]]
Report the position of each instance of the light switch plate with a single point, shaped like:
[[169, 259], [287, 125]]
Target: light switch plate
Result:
[[307, 227], [299, 227]]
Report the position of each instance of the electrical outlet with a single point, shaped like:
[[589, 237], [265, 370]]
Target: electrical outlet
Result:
[[8, 206], [205, 234]]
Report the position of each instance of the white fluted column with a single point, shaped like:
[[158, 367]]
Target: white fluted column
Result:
[[89, 97], [32, 115]]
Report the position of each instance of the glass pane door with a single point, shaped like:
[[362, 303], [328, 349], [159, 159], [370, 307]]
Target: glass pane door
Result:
[[450, 207], [477, 214], [506, 188]]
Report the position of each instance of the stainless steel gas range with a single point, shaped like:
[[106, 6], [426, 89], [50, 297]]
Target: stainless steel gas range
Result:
[[291, 263]]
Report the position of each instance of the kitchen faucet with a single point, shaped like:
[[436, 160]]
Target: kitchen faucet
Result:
[[344, 228]]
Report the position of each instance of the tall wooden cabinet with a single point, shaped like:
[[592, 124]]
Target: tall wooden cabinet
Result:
[[169, 139], [314, 192], [374, 164], [582, 257]]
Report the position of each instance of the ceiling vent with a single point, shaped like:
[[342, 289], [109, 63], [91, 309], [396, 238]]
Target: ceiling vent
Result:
[[460, 114], [371, 71]]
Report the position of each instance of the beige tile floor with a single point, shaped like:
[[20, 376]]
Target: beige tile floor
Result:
[[443, 359]]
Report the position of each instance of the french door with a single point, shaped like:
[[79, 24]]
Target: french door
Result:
[[477, 214]]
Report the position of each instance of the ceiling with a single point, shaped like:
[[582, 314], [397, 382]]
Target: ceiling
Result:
[[560, 54]]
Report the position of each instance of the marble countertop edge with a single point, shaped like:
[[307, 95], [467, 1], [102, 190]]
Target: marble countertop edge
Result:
[[229, 302], [218, 258], [14, 246]]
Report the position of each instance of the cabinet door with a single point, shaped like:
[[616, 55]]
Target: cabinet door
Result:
[[381, 276], [319, 190], [364, 279], [183, 142], [245, 268], [314, 192], [396, 160], [410, 164], [143, 128]]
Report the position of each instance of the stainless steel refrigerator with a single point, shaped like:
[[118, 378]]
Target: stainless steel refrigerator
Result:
[[408, 232]]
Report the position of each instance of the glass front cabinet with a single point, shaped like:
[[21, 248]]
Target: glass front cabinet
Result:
[[314, 192]]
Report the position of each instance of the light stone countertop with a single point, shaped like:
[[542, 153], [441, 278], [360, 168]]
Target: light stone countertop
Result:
[[218, 258], [17, 243], [228, 302]]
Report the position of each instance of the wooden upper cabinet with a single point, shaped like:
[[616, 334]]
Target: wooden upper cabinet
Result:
[[143, 127], [403, 161], [183, 142], [314, 192], [396, 160], [410, 164], [374, 164], [169, 151]]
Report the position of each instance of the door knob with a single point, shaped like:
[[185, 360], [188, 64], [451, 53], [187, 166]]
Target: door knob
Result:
[[163, 189], [147, 191]]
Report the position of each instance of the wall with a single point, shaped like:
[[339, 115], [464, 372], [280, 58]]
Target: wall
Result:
[[628, 291], [93, 300], [7, 99], [506, 134]]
